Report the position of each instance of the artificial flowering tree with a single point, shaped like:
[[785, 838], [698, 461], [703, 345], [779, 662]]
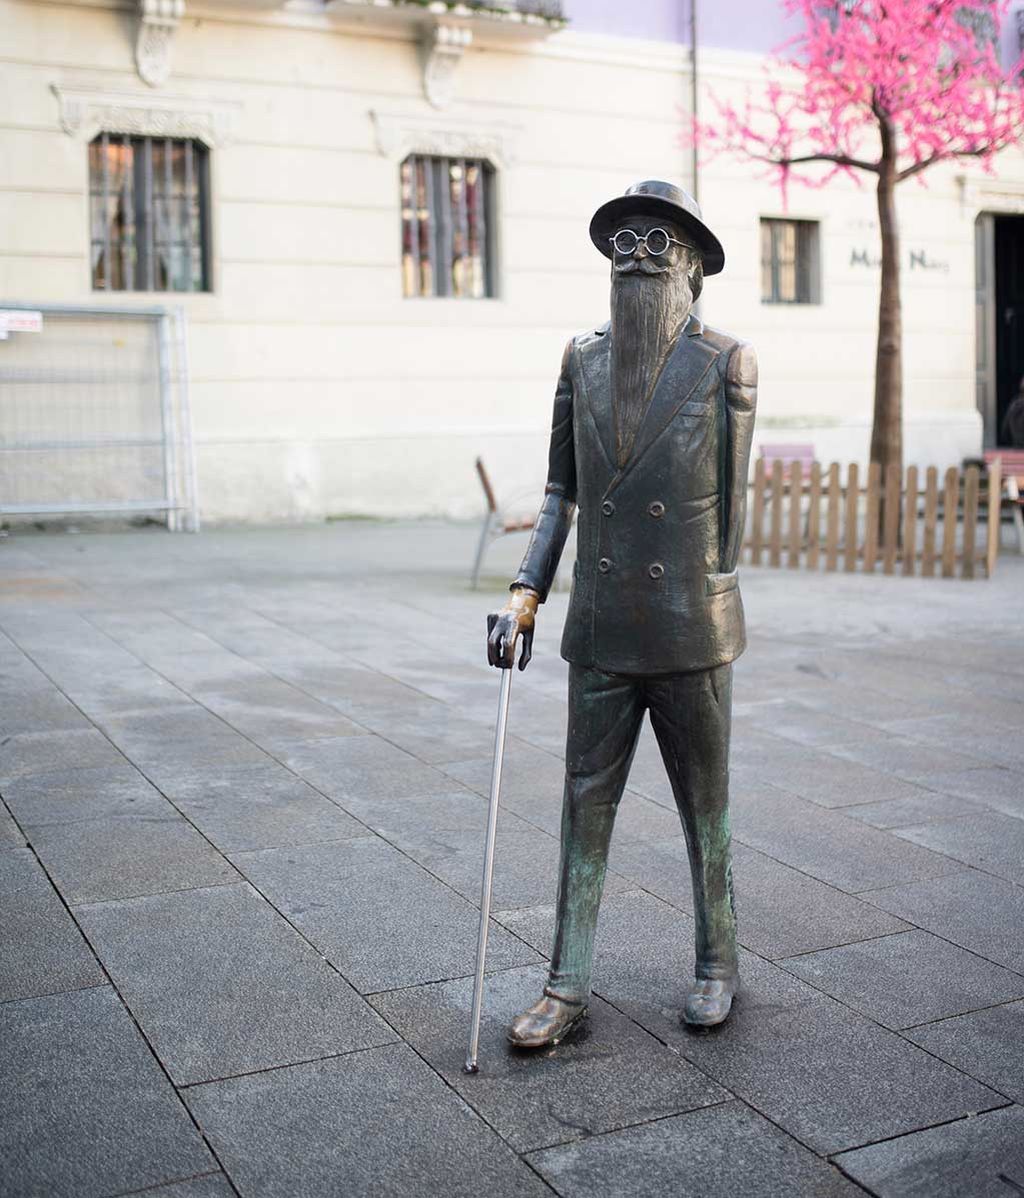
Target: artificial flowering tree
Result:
[[889, 88]]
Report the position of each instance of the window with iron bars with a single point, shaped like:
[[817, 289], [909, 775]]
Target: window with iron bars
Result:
[[447, 227], [149, 213], [790, 262]]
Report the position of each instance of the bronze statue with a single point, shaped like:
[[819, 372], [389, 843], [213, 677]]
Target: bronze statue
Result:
[[651, 436]]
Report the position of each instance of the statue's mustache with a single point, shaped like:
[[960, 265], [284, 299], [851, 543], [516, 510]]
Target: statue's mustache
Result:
[[641, 266]]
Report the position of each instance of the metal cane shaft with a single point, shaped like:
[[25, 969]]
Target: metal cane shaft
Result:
[[485, 886]]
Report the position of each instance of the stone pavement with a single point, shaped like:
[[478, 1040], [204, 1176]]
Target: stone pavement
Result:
[[244, 778]]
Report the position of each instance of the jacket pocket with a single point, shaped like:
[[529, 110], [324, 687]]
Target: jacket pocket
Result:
[[718, 584]]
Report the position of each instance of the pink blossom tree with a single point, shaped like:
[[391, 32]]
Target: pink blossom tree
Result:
[[889, 88]]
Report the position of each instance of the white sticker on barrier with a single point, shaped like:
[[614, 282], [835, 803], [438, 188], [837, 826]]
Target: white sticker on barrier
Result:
[[16, 320]]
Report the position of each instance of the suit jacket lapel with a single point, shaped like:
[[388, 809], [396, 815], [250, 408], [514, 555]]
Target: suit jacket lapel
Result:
[[595, 365], [688, 364]]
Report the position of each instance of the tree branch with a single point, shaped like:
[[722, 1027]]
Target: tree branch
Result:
[[942, 156], [838, 159]]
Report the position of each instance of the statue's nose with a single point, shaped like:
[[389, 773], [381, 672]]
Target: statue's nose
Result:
[[641, 250]]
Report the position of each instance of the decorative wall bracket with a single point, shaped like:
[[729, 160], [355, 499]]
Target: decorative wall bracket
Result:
[[402, 134], [442, 47], [158, 21], [86, 112]]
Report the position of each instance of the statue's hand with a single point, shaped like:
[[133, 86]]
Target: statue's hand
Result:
[[515, 620]]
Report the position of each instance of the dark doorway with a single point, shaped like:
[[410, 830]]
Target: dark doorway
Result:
[[1009, 316]]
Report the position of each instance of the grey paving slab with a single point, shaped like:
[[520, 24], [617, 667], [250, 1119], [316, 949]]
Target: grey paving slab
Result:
[[446, 833], [988, 1045], [927, 807], [116, 857], [380, 918], [127, 688], [376, 1124], [87, 1110], [532, 785], [362, 767], [982, 1157], [980, 913], [720, 1152], [997, 787], [192, 734], [36, 708], [70, 795], [273, 713], [241, 808], [907, 978], [989, 841], [824, 1073], [41, 949], [432, 731], [780, 911], [818, 776], [29, 753], [828, 846], [608, 1074], [906, 758], [221, 985], [806, 724]]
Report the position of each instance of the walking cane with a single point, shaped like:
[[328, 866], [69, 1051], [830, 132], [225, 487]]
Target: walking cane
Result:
[[485, 887]]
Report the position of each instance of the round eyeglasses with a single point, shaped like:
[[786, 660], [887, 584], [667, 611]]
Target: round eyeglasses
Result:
[[656, 241]]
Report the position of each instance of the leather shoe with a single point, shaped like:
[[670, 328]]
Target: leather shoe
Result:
[[547, 1022], [710, 1001]]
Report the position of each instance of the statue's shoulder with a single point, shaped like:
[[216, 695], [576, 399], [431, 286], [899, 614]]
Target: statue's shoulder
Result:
[[590, 337], [725, 343]]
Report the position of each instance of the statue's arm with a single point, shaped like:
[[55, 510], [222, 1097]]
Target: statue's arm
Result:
[[554, 520], [740, 406]]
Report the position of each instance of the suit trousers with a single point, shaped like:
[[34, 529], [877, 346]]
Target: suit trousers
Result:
[[690, 715]]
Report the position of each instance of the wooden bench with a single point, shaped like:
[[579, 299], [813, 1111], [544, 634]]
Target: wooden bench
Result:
[[1012, 475], [497, 522]]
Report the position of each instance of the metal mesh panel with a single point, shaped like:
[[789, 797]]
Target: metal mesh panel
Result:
[[94, 415]]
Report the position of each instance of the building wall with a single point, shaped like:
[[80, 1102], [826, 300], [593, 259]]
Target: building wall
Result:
[[317, 389]]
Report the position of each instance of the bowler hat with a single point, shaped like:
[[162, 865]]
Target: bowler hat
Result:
[[658, 199]]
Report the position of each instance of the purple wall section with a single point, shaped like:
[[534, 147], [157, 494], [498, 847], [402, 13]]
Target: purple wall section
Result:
[[731, 24], [726, 24]]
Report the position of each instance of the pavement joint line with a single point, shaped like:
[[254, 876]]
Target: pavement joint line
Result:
[[6, 1002], [1002, 1106], [588, 1136], [164, 1185], [1008, 1002], [329, 1056]]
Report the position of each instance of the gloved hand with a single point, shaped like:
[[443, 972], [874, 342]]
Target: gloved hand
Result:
[[514, 620]]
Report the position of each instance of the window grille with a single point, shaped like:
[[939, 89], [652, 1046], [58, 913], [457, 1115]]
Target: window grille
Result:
[[149, 213], [790, 272], [447, 245]]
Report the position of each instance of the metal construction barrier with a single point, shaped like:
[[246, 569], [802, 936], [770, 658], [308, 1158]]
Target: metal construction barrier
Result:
[[94, 413]]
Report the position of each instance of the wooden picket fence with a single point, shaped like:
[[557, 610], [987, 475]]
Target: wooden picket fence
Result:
[[818, 520]]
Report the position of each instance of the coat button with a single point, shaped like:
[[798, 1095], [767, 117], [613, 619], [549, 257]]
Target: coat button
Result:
[[656, 570], [656, 509], [608, 507], [604, 565]]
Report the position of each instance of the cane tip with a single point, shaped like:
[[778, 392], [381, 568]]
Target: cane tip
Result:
[[471, 1067]]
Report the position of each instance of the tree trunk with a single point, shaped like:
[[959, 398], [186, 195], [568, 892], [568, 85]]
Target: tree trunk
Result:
[[887, 428]]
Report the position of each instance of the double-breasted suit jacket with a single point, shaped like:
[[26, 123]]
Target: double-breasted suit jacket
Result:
[[655, 587]]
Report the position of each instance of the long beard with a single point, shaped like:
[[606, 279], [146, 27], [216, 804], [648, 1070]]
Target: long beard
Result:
[[648, 310]]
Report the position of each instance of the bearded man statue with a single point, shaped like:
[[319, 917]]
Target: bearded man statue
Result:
[[653, 420]]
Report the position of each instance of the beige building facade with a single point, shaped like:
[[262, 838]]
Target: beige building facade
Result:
[[318, 387]]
